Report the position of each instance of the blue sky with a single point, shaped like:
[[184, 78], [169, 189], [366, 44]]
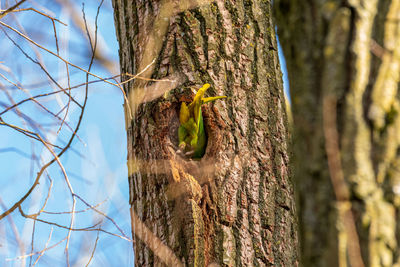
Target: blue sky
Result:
[[99, 176], [96, 165]]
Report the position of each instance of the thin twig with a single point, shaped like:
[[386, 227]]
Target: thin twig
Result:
[[27, 133], [11, 9], [45, 248], [94, 248], [38, 252], [104, 215], [20, 243], [340, 187], [41, 13], [54, 54]]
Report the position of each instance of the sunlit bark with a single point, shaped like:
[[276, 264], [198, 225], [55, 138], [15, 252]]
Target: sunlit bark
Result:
[[235, 206]]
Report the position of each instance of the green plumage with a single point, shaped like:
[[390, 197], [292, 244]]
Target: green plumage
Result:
[[191, 133]]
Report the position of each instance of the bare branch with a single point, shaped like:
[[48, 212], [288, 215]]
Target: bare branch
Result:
[[11, 9]]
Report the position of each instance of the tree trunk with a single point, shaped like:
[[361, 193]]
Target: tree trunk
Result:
[[234, 206], [344, 66]]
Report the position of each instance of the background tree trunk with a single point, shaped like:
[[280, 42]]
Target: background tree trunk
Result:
[[235, 206], [343, 62]]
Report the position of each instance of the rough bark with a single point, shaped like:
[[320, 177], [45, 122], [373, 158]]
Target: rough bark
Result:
[[235, 206], [343, 57]]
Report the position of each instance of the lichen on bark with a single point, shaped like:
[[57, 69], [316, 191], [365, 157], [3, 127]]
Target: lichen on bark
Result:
[[344, 51]]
